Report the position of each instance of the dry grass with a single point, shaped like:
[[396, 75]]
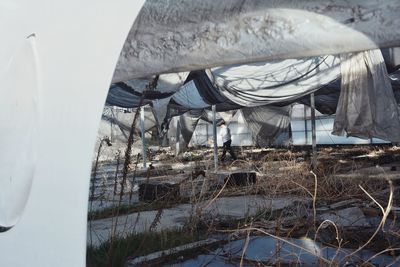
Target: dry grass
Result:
[[287, 173]]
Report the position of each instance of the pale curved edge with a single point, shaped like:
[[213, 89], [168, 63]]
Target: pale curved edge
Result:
[[20, 76]]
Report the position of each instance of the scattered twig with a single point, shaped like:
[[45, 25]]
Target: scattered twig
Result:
[[385, 214]]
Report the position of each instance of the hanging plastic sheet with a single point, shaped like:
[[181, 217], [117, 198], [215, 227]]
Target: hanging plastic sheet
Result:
[[128, 94], [265, 83], [326, 98], [122, 95], [120, 122], [209, 93], [188, 123], [160, 110], [392, 58], [267, 123], [189, 120], [189, 97], [367, 107], [395, 81]]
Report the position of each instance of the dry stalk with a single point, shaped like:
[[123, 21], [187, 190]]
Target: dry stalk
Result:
[[385, 214], [305, 189], [339, 240], [133, 179], [382, 252], [246, 244], [156, 220], [116, 173], [315, 198], [124, 177], [288, 242], [216, 196], [94, 186]]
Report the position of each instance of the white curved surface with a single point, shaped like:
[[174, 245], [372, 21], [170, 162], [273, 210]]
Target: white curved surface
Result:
[[77, 46], [18, 121]]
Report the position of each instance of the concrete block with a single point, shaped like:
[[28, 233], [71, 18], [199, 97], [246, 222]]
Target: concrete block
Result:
[[157, 191]]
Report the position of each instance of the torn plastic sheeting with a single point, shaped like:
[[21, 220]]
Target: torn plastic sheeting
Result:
[[189, 97], [166, 83], [189, 120], [209, 93], [392, 58], [207, 116], [128, 94], [123, 97], [264, 83], [395, 81], [367, 107], [326, 98], [119, 123], [188, 123], [160, 110], [268, 122], [233, 87]]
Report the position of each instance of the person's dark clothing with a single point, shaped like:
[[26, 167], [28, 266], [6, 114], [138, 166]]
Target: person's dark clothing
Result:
[[227, 146]]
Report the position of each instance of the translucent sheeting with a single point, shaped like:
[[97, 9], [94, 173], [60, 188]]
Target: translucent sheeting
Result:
[[189, 120], [128, 94], [189, 97], [395, 81], [188, 123], [160, 110], [166, 83], [268, 122], [276, 81], [367, 106], [326, 98], [124, 96], [281, 83]]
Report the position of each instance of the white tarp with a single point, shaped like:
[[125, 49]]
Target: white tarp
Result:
[[264, 83], [367, 106], [129, 94], [169, 82], [267, 123], [188, 96]]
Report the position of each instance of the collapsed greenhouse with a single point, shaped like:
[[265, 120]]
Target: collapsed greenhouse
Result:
[[304, 95]]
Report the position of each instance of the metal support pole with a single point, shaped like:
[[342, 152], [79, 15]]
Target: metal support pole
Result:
[[305, 126], [113, 113], [215, 137], [143, 137], [313, 129], [177, 138], [207, 134]]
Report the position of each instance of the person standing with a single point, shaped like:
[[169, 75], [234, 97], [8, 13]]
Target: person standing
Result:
[[225, 133]]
